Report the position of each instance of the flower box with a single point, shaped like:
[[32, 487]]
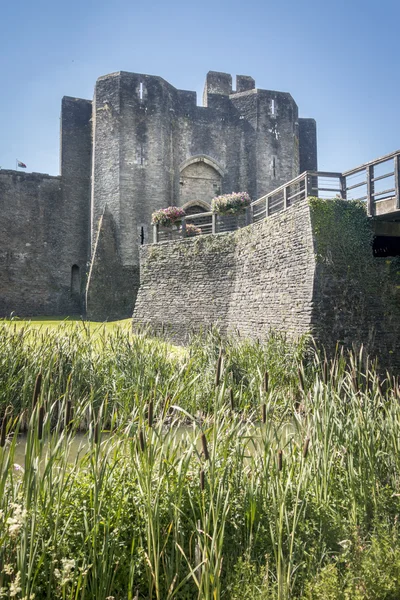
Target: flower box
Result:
[[230, 204], [192, 230], [167, 217]]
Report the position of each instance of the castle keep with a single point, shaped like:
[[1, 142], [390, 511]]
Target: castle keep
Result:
[[70, 244]]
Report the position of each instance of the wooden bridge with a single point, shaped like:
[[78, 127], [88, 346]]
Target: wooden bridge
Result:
[[377, 183]]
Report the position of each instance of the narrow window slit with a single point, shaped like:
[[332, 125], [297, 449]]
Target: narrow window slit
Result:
[[141, 90], [75, 280]]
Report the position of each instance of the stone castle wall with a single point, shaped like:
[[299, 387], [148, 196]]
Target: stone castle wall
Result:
[[309, 269], [249, 281], [45, 225], [35, 278]]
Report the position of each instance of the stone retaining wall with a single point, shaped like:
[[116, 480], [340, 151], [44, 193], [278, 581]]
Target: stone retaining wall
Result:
[[309, 269], [250, 281]]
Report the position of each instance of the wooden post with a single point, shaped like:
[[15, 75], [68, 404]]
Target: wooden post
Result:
[[370, 191], [397, 180], [248, 215], [308, 185], [343, 191], [285, 198], [155, 234], [214, 223], [183, 227]]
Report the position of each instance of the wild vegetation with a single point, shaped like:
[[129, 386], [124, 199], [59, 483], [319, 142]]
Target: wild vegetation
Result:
[[230, 469]]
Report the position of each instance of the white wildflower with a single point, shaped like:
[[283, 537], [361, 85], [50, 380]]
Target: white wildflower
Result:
[[15, 586], [8, 569], [17, 521], [85, 570], [68, 566]]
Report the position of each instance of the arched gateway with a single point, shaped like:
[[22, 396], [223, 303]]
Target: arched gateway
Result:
[[200, 181]]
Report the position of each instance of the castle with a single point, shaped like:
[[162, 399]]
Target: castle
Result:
[[69, 244]]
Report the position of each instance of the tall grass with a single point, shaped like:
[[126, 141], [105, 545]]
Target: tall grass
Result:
[[230, 470], [76, 362]]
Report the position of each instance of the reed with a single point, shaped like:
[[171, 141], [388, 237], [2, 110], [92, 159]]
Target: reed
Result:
[[171, 493]]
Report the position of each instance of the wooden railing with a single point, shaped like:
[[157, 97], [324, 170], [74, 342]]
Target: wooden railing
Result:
[[309, 183], [207, 222], [376, 182]]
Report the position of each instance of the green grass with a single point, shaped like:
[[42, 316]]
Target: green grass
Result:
[[62, 322], [284, 483]]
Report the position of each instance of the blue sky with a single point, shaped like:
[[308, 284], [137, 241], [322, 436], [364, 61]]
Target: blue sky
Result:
[[338, 60]]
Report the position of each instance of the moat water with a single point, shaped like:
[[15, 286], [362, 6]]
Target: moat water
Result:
[[80, 444]]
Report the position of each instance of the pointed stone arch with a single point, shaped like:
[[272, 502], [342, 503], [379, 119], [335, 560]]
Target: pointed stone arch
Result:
[[196, 206], [203, 158], [200, 180]]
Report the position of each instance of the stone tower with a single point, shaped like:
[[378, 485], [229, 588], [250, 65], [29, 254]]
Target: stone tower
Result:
[[154, 147]]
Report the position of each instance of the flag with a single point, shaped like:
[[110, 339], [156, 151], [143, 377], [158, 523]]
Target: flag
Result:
[[21, 164]]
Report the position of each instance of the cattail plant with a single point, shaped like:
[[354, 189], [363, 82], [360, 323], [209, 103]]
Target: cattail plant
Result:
[[40, 422], [142, 442], [264, 413], [266, 382], [219, 368], [231, 399], [68, 414], [280, 460], [181, 513], [204, 446], [96, 433], [36, 390]]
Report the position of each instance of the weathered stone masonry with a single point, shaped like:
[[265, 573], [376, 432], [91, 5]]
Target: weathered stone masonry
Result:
[[293, 272], [31, 243], [257, 278], [45, 226], [139, 146]]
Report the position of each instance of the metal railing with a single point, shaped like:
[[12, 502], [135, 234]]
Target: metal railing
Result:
[[375, 182]]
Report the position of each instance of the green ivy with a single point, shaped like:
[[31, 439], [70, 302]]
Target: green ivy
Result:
[[342, 234]]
